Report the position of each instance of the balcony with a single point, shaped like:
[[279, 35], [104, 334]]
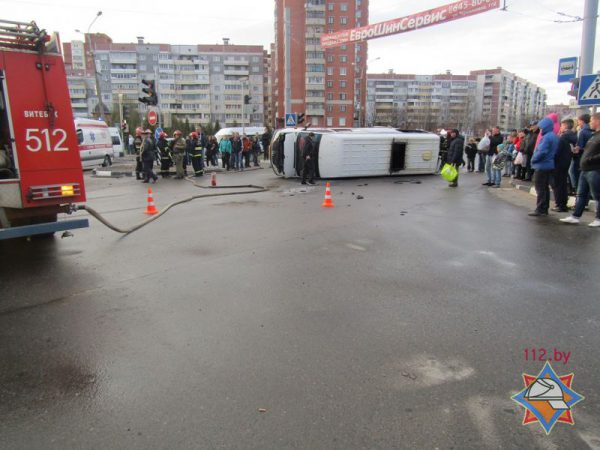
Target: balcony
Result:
[[232, 62], [315, 111], [315, 21], [123, 59], [238, 72]]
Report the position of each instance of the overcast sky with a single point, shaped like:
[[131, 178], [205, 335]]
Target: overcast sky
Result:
[[525, 39]]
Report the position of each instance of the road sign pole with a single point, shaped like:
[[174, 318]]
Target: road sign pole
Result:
[[588, 37]]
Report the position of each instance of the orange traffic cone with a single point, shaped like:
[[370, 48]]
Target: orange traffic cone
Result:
[[213, 179], [150, 209], [328, 203]]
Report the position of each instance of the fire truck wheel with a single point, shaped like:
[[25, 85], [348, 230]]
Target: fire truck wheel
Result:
[[107, 161]]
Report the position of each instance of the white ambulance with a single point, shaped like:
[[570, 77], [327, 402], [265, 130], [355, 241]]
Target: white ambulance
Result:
[[95, 143]]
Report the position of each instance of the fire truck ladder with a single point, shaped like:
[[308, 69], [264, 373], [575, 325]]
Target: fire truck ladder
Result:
[[21, 35]]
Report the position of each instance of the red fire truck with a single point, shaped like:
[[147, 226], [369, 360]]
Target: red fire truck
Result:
[[40, 168]]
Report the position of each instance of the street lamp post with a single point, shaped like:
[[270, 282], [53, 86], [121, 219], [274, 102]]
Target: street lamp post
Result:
[[359, 94], [88, 40]]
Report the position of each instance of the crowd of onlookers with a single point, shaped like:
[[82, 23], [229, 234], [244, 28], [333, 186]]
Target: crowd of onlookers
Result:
[[562, 156]]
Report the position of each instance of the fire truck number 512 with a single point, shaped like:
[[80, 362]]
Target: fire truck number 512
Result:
[[37, 137]]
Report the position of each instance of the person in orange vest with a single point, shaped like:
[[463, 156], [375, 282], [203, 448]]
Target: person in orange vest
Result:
[[246, 149]]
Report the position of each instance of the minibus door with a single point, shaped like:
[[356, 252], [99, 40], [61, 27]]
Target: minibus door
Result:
[[397, 157]]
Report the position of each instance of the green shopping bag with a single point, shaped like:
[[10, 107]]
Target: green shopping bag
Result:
[[449, 173]]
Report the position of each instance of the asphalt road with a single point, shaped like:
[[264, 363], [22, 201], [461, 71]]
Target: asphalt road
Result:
[[398, 320]]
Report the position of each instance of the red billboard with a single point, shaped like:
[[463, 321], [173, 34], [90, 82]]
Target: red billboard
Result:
[[446, 13]]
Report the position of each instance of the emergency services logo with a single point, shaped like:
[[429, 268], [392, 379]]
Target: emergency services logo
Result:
[[548, 398]]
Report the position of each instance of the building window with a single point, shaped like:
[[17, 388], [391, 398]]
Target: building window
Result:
[[330, 58], [329, 96], [344, 7], [330, 20], [342, 108], [343, 58], [330, 121], [329, 84], [342, 121], [342, 96], [330, 71], [343, 71], [342, 84], [344, 20], [330, 6]]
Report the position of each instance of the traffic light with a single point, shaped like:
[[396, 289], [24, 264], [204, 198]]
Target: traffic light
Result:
[[300, 118], [152, 99], [574, 92], [247, 99], [126, 111]]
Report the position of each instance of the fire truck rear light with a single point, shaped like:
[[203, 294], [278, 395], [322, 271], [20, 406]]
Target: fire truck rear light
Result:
[[53, 191], [67, 191]]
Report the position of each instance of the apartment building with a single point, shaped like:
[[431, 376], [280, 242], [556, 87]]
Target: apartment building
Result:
[[471, 102], [421, 101], [328, 85], [507, 100], [195, 83]]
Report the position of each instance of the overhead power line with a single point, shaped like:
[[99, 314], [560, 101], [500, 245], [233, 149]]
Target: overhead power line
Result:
[[512, 10]]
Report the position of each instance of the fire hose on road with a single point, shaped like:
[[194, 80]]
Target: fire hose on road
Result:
[[97, 215]]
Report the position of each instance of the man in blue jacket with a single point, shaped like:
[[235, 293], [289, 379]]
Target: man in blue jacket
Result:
[[543, 164]]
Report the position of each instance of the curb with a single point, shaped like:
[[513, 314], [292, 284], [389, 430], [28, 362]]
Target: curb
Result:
[[100, 173], [570, 202], [112, 173]]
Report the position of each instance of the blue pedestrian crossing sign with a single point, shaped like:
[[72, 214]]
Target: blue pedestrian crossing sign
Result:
[[157, 132], [589, 90], [291, 119]]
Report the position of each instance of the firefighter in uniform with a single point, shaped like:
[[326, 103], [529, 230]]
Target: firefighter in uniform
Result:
[[197, 154], [178, 149], [137, 143], [148, 157], [166, 160]]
